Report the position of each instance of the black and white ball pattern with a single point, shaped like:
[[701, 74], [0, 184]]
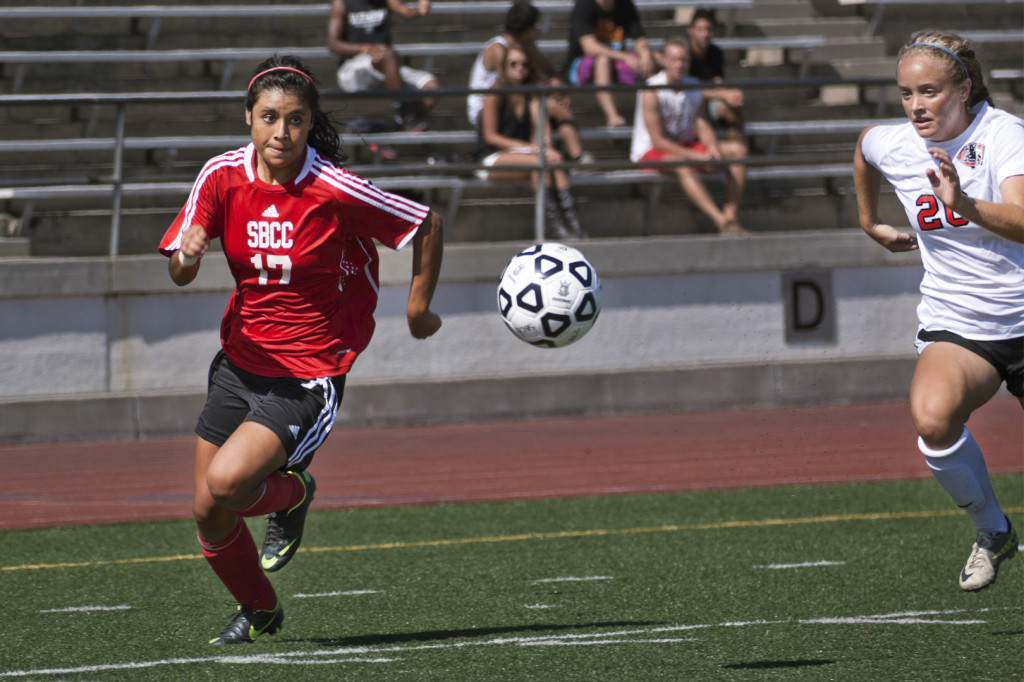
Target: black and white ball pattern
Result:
[[549, 295]]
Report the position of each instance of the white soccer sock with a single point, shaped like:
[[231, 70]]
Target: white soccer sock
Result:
[[960, 470]]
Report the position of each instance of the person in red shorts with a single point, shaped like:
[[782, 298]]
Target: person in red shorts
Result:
[[298, 233], [672, 125]]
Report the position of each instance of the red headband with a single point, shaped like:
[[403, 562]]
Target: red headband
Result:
[[278, 68]]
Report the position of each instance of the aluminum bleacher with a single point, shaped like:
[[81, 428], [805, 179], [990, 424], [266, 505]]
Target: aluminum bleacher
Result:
[[123, 167], [804, 44], [451, 179], [879, 7]]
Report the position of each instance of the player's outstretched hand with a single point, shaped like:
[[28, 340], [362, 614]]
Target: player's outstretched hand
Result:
[[195, 241], [944, 179], [424, 325], [893, 239], [904, 241], [184, 265]]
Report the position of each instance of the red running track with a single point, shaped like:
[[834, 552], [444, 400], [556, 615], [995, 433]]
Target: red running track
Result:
[[108, 482]]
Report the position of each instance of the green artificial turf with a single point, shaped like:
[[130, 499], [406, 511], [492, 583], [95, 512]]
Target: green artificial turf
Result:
[[691, 586]]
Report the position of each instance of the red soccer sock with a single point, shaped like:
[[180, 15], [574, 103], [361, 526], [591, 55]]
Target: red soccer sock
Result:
[[236, 562], [280, 491]]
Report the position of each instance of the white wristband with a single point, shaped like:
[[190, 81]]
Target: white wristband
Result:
[[186, 260]]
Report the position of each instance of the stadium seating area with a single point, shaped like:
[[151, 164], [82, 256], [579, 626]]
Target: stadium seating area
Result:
[[59, 168]]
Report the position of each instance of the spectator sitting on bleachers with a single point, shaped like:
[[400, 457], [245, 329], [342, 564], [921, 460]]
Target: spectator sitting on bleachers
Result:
[[360, 32], [506, 139], [520, 26], [597, 54], [672, 125], [707, 63]]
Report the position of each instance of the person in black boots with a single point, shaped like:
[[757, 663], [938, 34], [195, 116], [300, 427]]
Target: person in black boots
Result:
[[507, 131]]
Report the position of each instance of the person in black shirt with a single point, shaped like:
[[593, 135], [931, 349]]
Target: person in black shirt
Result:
[[360, 32], [520, 29], [707, 63], [507, 141], [597, 54]]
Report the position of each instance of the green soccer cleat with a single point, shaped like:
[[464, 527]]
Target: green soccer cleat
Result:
[[246, 625], [989, 550], [284, 528]]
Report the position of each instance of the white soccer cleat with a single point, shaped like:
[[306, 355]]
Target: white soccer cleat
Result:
[[989, 550]]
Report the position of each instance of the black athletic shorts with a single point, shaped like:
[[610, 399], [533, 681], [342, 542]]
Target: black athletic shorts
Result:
[[300, 411], [1006, 355]]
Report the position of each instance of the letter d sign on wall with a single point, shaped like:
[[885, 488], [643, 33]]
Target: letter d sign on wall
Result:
[[809, 306]]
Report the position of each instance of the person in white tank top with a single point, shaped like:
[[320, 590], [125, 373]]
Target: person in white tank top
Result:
[[520, 26], [481, 76], [672, 125], [957, 167]]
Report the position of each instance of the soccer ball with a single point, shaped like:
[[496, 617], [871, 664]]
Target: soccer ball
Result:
[[549, 295]]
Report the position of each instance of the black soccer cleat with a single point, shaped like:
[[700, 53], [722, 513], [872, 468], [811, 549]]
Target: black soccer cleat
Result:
[[246, 625], [284, 528]]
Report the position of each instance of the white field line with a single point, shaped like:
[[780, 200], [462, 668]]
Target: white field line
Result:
[[806, 564], [76, 609], [340, 593], [573, 579], [372, 654], [902, 618], [316, 661], [602, 642]]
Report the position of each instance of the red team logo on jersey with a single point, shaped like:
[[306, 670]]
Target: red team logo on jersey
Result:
[[972, 154]]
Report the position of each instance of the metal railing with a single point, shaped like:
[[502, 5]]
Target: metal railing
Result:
[[122, 103]]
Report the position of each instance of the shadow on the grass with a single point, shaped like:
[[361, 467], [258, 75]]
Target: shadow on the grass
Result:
[[442, 635]]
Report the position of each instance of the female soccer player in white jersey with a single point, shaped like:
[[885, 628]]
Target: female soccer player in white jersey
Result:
[[958, 168], [298, 233]]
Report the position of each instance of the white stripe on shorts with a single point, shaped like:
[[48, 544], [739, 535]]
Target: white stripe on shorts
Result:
[[316, 436]]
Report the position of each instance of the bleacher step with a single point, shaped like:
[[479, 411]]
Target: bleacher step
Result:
[[852, 48], [15, 247], [775, 9], [830, 27]]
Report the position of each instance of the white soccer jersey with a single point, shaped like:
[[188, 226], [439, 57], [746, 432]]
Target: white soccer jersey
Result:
[[973, 281], [678, 114]]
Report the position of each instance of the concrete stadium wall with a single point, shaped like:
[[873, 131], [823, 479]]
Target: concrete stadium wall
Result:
[[94, 348]]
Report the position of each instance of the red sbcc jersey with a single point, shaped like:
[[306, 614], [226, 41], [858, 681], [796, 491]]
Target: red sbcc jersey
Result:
[[303, 258]]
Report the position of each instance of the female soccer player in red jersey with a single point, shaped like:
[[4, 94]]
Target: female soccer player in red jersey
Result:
[[298, 233], [957, 165]]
